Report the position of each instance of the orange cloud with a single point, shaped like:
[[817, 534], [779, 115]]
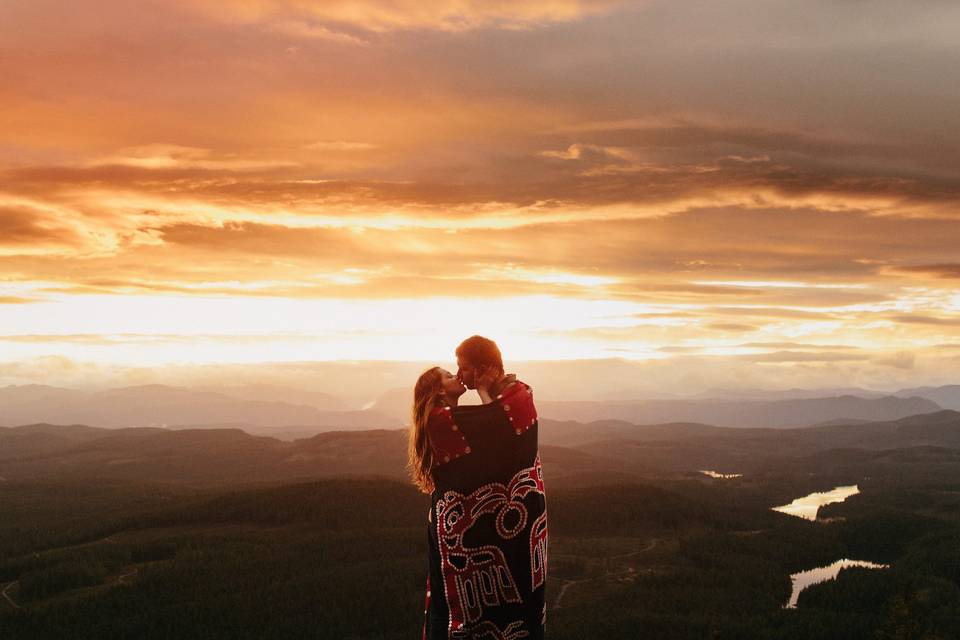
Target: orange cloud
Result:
[[383, 15], [946, 270], [274, 151], [31, 230], [167, 156]]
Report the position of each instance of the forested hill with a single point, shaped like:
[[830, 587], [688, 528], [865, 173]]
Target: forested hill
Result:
[[155, 534], [577, 452], [195, 456]]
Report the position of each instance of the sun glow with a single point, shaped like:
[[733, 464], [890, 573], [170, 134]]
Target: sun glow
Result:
[[220, 329]]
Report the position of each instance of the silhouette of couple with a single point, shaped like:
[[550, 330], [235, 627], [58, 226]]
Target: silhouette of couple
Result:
[[487, 525]]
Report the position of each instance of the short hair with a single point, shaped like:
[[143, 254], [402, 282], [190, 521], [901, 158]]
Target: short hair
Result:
[[480, 352]]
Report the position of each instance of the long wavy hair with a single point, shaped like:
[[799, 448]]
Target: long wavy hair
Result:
[[427, 395]]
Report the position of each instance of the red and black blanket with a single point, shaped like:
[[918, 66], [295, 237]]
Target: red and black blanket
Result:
[[487, 530]]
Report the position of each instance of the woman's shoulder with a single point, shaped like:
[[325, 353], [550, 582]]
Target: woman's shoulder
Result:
[[446, 439], [440, 417], [439, 411]]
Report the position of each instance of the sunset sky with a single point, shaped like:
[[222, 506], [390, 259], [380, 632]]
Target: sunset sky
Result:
[[763, 189]]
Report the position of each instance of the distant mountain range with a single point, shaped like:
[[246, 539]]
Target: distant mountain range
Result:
[[720, 393], [679, 447], [160, 405], [947, 396], [730, 408], [291, 413], [742, 413], [277, 393], [572, 452]]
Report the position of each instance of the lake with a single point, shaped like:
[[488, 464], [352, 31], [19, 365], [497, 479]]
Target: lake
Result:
[[721, 476], [805, 579], [807, 506]]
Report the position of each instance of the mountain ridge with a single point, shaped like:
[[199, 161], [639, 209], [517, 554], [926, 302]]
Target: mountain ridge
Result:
[[599, 448]]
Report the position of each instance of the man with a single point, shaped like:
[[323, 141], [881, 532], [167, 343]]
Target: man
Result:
[[480, 367], [488, 539]]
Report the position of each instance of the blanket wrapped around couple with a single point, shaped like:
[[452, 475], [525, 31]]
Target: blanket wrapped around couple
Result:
[[487, 530]]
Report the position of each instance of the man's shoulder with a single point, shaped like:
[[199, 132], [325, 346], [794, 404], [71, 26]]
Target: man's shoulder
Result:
[[507, 384], [516, 399], [513, 388]]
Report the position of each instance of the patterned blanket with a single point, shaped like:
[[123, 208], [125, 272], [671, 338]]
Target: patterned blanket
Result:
[[487, 528]]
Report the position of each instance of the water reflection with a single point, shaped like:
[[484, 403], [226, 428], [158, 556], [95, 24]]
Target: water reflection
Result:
[[805, 579], [722, 476], [807, 506]]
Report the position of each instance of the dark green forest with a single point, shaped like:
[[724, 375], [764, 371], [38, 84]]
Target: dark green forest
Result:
[[674, 555]]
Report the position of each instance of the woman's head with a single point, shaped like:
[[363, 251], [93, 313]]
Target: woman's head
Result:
[[439, 385], [435, 387]]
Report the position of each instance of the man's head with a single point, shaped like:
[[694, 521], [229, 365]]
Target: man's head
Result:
[[475, 356]]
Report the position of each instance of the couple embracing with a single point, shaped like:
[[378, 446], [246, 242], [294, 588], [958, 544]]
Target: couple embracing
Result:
[[487, 525]]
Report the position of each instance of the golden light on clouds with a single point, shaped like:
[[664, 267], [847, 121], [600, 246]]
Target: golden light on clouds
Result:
[[308, 19], [205, 181]]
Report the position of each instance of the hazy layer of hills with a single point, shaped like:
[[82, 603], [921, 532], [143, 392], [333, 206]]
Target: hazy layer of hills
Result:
[[792, 408], [574, 452], [947, 396], [291, 413], [743, 413], [159, 405]]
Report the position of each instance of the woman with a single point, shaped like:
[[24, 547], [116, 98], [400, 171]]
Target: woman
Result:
[[487, 531]]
